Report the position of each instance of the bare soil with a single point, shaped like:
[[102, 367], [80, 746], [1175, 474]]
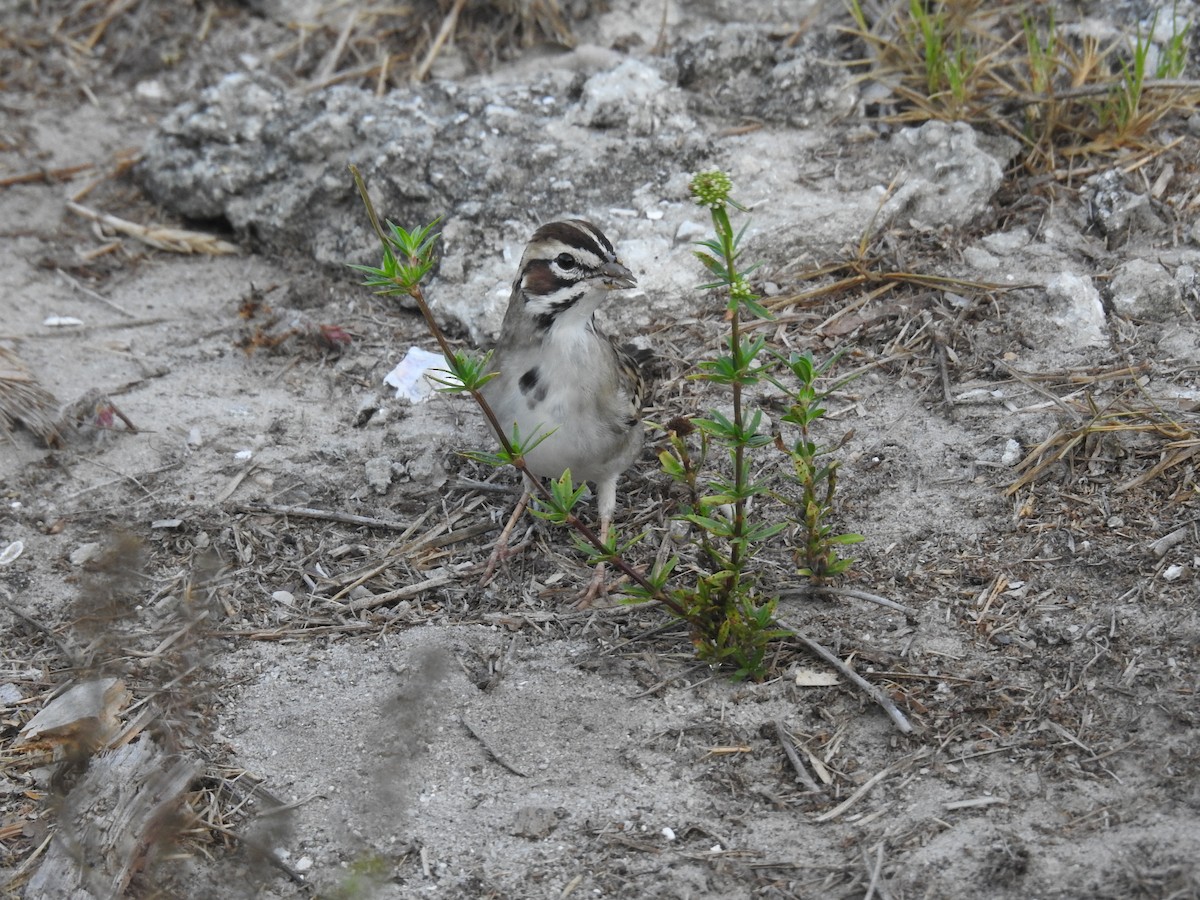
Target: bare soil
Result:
[[368, 722]]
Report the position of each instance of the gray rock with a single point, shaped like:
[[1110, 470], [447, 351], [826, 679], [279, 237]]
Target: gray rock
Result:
[[274, 162], [491, 159], [1146, 290], [378, 471], [950, 176], [631, 97], [1114, 210], [741, 70]]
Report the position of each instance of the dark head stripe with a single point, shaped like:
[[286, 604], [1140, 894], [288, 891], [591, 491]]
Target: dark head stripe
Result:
[[576, 233]]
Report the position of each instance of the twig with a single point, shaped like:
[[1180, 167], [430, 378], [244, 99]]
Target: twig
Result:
[[1163, 545], [305, 512], [870, 783], [865, 686], [103, 484], [849, 592], [46, 175], [488, 747], [229, 489], [403, 593], [1092, 90], [794, 758], [86, 291], [876, 870], [284, 634], [973, 803], [447, 29]]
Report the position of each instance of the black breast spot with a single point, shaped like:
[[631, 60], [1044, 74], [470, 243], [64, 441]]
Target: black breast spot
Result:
[[529, 380], [531, 386]]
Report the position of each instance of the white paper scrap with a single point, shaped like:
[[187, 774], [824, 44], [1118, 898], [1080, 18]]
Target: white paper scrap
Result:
[[408, 378]]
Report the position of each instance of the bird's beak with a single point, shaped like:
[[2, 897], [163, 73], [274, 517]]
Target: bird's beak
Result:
[[616, 277]]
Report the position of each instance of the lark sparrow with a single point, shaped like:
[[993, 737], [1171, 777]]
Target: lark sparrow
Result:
[[559, 373]]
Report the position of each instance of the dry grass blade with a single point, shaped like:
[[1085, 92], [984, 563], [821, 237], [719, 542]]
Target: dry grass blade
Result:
[[173, 240], [383, 44], [447, 29], [1115, 418], [1182, 453], [25, 402]]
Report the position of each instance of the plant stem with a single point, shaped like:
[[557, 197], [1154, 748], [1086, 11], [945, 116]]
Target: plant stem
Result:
[[725, 229]]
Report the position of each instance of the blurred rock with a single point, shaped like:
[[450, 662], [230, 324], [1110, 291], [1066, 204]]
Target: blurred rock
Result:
[[378, 471], [1146, 290], [951, 177]]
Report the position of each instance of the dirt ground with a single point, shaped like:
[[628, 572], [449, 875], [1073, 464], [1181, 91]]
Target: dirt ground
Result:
[[280, 560]]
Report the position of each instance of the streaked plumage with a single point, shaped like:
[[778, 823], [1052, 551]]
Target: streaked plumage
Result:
[[559, 371]]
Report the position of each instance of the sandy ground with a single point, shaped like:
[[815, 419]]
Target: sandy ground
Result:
[[427, 737]]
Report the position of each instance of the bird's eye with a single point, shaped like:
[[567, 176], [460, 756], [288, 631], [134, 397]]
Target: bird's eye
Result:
[[565, 261]]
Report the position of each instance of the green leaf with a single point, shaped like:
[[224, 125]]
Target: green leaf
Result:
[[757, 309], [488, 459], [671, 465], [764, 532], [713, 526], [847, 539]]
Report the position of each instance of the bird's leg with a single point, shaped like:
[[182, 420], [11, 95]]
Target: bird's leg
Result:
[[500, 551], [607, 491]]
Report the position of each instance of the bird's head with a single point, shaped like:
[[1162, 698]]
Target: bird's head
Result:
[[567, 270]]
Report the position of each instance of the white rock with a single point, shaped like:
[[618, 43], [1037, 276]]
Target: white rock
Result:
[[951, 178], [1006, 242], [11, 552], [1079, 311]]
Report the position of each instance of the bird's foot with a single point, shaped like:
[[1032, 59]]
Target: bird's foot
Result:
[[502, 551]]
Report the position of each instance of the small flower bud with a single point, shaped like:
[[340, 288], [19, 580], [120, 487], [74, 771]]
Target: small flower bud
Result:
[[710, 189], [740, 290]]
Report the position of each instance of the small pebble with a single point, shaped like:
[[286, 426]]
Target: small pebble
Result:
[[83, 553], [11, 552]]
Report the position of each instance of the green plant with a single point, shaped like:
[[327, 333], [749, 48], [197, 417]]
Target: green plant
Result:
[[948, 55], [1011, 68], [733, 618], [1124, 109], [815, 471]]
